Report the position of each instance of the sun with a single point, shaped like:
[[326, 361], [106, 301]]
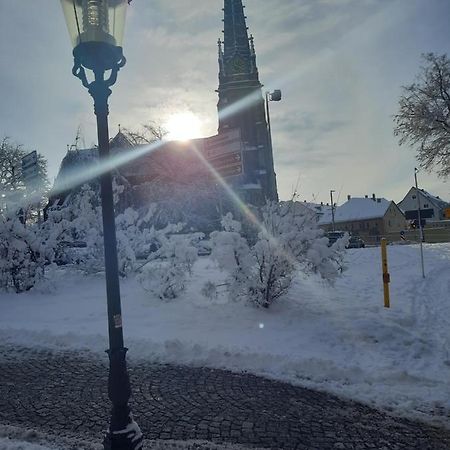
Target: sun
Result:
[[182, 126]]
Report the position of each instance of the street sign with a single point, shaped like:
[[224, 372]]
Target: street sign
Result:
[[230, 171], [224, 153], [225, 142], [227, 159], [30, 159], [30, 167]]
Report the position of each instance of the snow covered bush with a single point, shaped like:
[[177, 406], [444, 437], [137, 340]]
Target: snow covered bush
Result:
[[79, 231], [288, 240], [24, 253], [209, 290], [166, 275], [77, 228]]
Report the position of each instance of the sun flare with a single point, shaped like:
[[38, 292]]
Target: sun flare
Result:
[[183, 126]]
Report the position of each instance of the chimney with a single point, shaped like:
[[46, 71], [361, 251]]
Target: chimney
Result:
[[366, 196], [349, 197], [374, 198]]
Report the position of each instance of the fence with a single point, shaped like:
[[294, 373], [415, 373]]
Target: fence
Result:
[[432, 235]]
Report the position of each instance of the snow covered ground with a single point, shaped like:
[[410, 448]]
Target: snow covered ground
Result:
[[339, 339]]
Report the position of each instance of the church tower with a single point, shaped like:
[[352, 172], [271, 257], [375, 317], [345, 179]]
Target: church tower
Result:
[[241, 105]]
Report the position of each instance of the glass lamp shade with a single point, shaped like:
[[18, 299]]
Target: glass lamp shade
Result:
[[95, 20], [96, 28]]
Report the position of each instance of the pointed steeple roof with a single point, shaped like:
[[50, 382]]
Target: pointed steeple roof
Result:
[[235, 30], [237, 57]]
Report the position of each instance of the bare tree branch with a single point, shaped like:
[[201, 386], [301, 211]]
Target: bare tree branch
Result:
[[423, 120]]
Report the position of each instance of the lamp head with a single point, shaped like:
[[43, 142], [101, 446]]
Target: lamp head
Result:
[[276, 95], [96, 28]]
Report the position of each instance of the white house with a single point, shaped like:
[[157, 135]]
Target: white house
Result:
[[432, 208]]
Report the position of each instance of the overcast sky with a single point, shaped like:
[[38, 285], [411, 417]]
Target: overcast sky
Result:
[[340, 64]]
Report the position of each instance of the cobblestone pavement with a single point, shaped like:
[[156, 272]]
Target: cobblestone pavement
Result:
[[66, 393]]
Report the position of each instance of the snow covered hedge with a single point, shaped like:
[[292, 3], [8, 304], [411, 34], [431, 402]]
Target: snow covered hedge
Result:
[[288, 240]]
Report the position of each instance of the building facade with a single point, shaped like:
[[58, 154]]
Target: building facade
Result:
[[371, 218]]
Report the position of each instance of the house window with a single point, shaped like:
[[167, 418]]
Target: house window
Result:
[[426, 205], [414, 197]]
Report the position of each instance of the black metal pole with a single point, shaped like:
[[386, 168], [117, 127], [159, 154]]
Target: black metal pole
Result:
[[123, 433], [419, 219], [272, 176], [333, 225]]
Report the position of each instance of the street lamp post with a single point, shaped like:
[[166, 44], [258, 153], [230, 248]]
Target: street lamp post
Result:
[[274, 96], [333, 225], [96, 28]]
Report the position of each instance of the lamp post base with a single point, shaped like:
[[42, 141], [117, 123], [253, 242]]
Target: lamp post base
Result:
[[124, 433], [130, 438]]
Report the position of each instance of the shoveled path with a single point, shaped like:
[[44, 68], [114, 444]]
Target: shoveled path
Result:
[[65, 393]]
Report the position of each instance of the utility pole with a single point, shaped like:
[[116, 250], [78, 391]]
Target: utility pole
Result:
[[419, 217], [332, 211]]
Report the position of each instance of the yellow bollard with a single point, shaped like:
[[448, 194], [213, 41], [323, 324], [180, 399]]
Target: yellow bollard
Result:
[[386, 276]]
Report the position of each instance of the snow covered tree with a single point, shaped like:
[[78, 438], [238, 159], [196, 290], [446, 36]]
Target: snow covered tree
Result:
[[77, 224], [24, 253], [288, 240], [196, 204], [166, 275], [11, 155], [14, 194], [423, 119]]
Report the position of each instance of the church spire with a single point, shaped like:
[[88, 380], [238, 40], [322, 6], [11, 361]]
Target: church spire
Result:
[[235, 30], [241, 105], [237, 58]]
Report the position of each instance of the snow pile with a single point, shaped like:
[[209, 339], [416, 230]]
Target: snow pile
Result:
[[339, 339]]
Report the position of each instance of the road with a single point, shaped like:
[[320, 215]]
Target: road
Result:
[[65, 393]]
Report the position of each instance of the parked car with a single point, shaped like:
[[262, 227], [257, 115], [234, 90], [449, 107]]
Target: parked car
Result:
[[333, 236], [356, 242]]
